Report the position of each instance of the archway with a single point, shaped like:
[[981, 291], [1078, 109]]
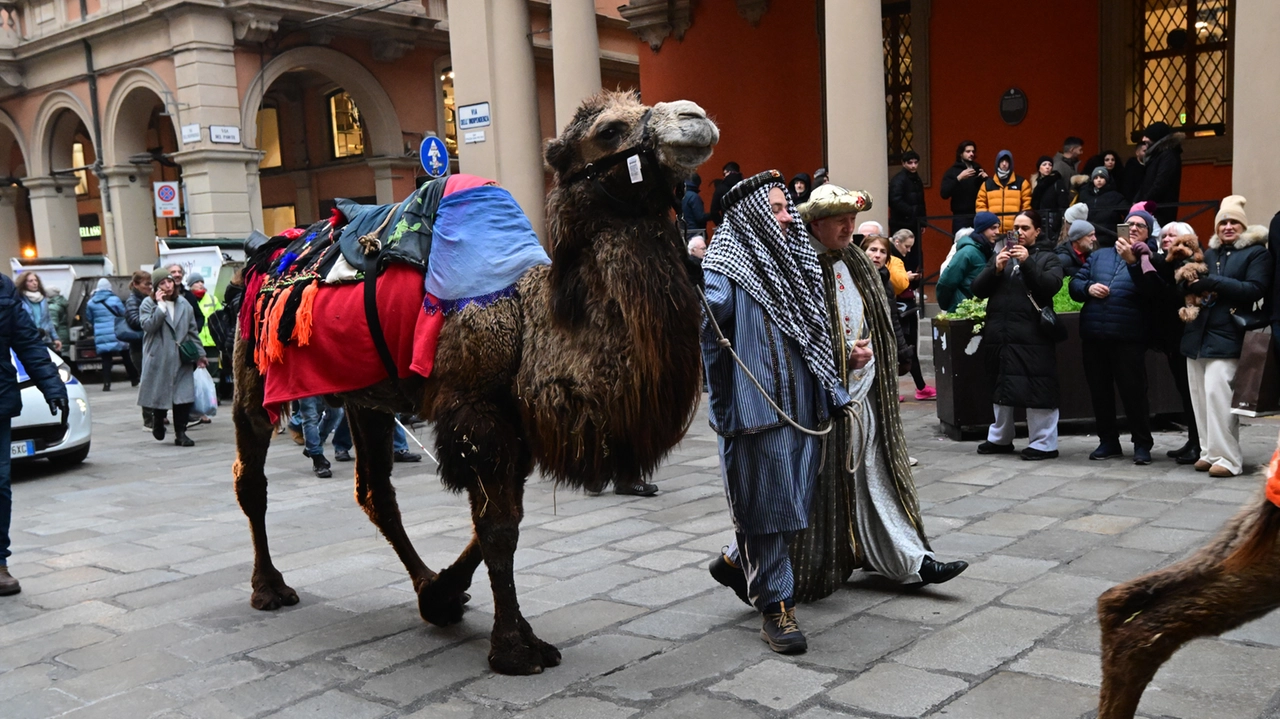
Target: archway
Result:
[[66, 207], [139, 141], [327, 129], [15, 208]]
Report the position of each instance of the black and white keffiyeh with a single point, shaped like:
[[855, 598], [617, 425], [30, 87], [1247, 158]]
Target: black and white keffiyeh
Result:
[[778, 269]]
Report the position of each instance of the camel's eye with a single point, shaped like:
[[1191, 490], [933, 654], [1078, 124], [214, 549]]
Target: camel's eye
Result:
[[610, 132]]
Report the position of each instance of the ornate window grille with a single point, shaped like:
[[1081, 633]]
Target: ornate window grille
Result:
[[1181, 72], [895, 16]]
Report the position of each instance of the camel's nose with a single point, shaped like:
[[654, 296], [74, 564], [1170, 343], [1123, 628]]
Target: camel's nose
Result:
[[683, 110]]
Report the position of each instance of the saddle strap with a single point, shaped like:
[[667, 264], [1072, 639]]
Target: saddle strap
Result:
[[375, 324]]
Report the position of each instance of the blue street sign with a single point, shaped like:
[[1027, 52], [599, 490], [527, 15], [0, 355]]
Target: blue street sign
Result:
[[434, 156]]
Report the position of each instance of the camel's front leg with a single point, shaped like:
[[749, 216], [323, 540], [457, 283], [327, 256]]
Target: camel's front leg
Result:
[[371, 432], [1146, 620], [253, 437]]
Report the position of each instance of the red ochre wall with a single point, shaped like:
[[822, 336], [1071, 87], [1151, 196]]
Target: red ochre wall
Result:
[[762, 85]]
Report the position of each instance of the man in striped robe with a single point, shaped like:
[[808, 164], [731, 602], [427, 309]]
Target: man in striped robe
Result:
[[864, 511]]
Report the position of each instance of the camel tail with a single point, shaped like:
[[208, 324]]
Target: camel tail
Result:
[[1260, 541]]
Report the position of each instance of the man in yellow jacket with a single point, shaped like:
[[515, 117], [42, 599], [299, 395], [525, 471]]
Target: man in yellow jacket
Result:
[[1005, 193]]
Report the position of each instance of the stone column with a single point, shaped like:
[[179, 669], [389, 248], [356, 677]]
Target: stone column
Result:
[[133, 215], [1257, 85], [493, 62], [54, 217], [393, 178], [218, 177], [575, 55], [9, 244], [857, 134]]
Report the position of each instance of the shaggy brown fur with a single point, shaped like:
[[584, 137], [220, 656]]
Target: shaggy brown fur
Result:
[[592, 371], [1233, 580], [1186, 249]]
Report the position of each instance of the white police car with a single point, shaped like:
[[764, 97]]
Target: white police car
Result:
[[36, 433]]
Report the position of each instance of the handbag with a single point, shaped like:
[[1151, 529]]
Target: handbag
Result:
[[188, 350], [1256, 390], [120, 325], [1050, 327], [1251, 319]]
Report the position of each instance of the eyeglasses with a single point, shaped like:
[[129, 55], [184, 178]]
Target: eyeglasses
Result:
[[1138, 225]]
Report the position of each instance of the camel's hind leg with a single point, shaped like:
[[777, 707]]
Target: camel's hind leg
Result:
[[371, 432], [1146, 620], [253, 437], [482, 452]]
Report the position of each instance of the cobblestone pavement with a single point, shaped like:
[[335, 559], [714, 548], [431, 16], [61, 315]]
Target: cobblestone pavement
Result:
[[135, 600]]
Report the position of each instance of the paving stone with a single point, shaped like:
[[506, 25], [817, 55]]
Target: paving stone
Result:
[[697, 706], [1163, 539], [825, 713], [1056, 544], [669, 559], [1093, 488], [577, 620], [1009, 570], [333, 705], [1051, 506], [140, 702], [47, 646], [30, 678], [586, 586], [1194, 514], [897, 690], [1009, 524], [1016, 696], [1126, 507], [1203, 679], [945, 492], [941, 603], [1116, 563], [1101, 524], [971, 507], [41, 704], [665, 588], [1057, 664], [421, 677], [776, 684], [276, 691], [1024, 487], [591, 658], [119, 677], [1162, 491], [127, 646], [715, 654], [982, 642], [579, 708], [852, 646], [1059, 593], [967, 544], [212, 678], [651, 541]]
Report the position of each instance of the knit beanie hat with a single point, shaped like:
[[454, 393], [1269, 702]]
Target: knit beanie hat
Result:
[[1232, 209], [1151, 221], [1156, 131], [193, 278], [1078, 211], [1099, 171], [1079, 229], [104, 283], [983, 220], [158, 274]]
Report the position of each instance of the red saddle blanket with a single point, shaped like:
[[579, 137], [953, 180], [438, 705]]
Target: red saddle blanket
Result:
[[340, 356]]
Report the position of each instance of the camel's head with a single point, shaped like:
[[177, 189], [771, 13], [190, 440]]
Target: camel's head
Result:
[[624, 145]]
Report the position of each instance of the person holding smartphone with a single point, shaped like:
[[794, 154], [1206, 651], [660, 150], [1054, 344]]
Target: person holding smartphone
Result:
[[1021, 358], [167, 381]]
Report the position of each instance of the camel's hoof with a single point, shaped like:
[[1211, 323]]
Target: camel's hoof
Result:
[[268, 598], [438, 608], [521, 660]]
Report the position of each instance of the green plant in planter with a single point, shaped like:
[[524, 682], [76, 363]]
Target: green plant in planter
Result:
[[970, 309], [1062, 301]]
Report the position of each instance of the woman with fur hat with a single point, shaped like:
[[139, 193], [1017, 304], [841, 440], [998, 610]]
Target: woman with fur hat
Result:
[[1240, 275]]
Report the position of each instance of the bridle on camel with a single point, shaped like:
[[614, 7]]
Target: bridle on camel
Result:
[[641, 151]]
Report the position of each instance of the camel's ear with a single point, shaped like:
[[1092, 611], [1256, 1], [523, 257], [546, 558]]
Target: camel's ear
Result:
[[558, 155]]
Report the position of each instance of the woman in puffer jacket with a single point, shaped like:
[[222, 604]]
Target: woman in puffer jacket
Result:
[[1239, 276], [107, 313]]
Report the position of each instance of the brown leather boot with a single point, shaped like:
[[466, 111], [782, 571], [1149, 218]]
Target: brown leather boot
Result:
[[8, 585]]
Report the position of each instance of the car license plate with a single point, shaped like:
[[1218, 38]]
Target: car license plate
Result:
[[22, 449]]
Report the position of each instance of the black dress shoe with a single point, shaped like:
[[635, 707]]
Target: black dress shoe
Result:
[[993, 448], [730, 576], [183, 440], [934, 572], [1035, 455], [636, 489], [783, 633], [341, 455], [1174, 453], [405, 455], [1106, 450], [1190, 456], [320, 466], [106, 386]]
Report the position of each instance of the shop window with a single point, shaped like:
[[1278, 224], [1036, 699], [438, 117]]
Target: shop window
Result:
[[895, 17], [1181, 65], [82, 176], [345, 126], [278, 219], [269, 138], [450, 111]]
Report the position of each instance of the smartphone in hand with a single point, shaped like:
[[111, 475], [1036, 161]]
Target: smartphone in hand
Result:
[[1122, 230]]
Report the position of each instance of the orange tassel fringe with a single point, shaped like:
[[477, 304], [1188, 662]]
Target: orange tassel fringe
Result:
[[306, 311], [275, 348]]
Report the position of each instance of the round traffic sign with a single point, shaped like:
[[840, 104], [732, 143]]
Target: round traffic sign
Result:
[[434, 156], [166, 193]]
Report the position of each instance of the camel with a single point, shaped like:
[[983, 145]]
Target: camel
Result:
[[591, 370], [1232, 580]]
